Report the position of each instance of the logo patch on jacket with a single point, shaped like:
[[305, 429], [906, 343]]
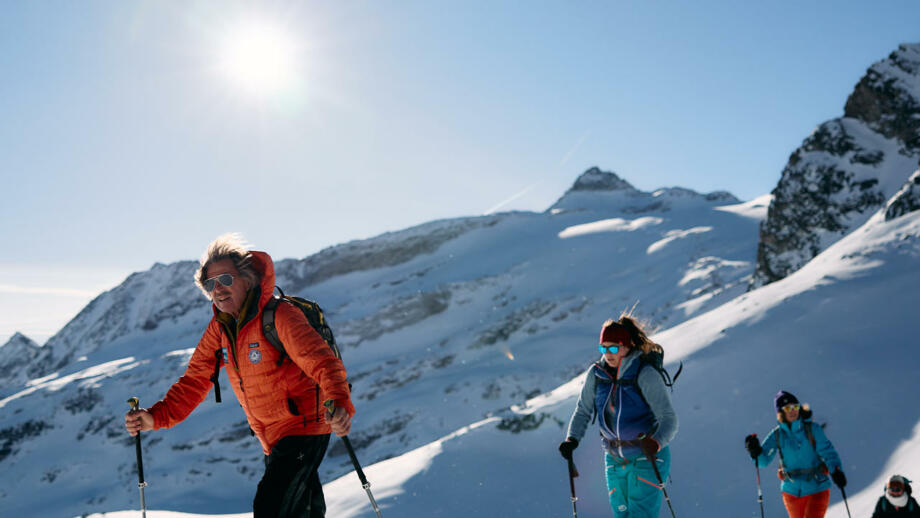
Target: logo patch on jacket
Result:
[[223, 350], [255, 356], [253, 344]]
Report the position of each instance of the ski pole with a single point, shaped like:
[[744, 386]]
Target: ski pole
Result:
[[651, 458], [330, 406], [572, 474], [141, 484], [759, 491], [844, 493]]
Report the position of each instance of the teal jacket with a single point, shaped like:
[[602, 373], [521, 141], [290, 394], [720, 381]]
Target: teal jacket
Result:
[[804, 464]]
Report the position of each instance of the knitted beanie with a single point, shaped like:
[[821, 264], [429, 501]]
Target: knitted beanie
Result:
[[783, 398]]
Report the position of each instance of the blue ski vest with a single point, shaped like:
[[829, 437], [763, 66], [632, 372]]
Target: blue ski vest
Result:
[[631, 414]]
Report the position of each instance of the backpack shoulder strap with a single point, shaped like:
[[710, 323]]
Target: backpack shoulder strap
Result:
[[810, 434], [779, 450], [269, 329], [656, 360]]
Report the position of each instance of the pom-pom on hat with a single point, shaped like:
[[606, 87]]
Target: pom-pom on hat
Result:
[[783, 398], [616, 333]]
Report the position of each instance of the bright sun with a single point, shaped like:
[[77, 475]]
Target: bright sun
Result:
[[259, 58]]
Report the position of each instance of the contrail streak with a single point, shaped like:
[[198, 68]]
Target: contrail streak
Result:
[[577, 145], [511, 199]]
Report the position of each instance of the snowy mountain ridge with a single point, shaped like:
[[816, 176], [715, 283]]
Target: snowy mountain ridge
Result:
[[440, 326], [824, 311], [467, 348]]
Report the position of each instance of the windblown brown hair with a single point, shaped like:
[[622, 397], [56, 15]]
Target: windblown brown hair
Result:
[[228, 246], [636, 333]]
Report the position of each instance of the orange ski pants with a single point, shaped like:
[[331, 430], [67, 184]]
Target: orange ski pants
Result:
[[810, 506]]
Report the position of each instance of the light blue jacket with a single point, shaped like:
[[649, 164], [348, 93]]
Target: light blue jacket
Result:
[[800, 456], [656, 394]]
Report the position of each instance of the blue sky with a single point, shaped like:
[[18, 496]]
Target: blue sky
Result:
[[125, 143]]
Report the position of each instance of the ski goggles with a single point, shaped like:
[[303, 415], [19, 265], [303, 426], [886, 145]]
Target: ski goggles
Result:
[[896, 487], [225, 278], [612, 349], [791, 406]]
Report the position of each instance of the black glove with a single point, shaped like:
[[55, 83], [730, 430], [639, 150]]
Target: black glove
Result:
[[567, 447], [752, 445], [649, 446], [839, 478]]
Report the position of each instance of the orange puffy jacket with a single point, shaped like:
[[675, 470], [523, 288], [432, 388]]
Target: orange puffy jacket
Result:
[[278, 400]]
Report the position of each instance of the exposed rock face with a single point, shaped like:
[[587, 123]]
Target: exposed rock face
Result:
[[15, 356], [596, 188], [906, 200], [887, 98], [596, 180], [846, 169]]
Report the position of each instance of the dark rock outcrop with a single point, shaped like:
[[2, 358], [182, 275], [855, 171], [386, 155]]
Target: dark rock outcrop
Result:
[[846, 169]]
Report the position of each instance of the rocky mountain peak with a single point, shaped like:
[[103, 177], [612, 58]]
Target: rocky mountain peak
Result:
[[887, 98], [15, 356], [846, 170], [596, 180], [906, 200], [19, 342]]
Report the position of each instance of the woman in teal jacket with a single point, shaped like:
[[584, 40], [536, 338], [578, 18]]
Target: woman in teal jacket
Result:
[[628, 394], [807, 459]]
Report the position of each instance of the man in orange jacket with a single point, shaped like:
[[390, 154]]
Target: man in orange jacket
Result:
[[282, 399]]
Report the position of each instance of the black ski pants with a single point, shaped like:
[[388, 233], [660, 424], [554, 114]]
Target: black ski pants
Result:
[[290, 486]]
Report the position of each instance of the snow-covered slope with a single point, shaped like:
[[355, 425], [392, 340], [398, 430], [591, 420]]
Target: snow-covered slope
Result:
[[440, 326], [840, 333], [846, 169]]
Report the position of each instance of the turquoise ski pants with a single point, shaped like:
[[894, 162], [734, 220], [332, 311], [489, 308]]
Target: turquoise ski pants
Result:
[[633, 487]]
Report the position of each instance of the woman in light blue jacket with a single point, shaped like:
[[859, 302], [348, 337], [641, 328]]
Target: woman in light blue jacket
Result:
[[628, 391], [807, 459]]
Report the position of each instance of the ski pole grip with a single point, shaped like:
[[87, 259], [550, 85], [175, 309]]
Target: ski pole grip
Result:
[[330, 406], [134, 403]]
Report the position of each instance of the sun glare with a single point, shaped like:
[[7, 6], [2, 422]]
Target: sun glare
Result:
[[259, 58]]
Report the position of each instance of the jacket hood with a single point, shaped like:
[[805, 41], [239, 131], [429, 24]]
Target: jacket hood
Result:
[[263, 263]]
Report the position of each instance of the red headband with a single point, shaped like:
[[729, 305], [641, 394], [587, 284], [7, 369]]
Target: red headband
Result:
[[617, 334]]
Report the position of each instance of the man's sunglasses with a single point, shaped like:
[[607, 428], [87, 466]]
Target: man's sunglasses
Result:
[[791, 406], [225, 278], [612, 349]]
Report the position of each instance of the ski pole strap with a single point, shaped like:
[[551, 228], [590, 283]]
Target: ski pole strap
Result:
[[218, 356], [573, 471]]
